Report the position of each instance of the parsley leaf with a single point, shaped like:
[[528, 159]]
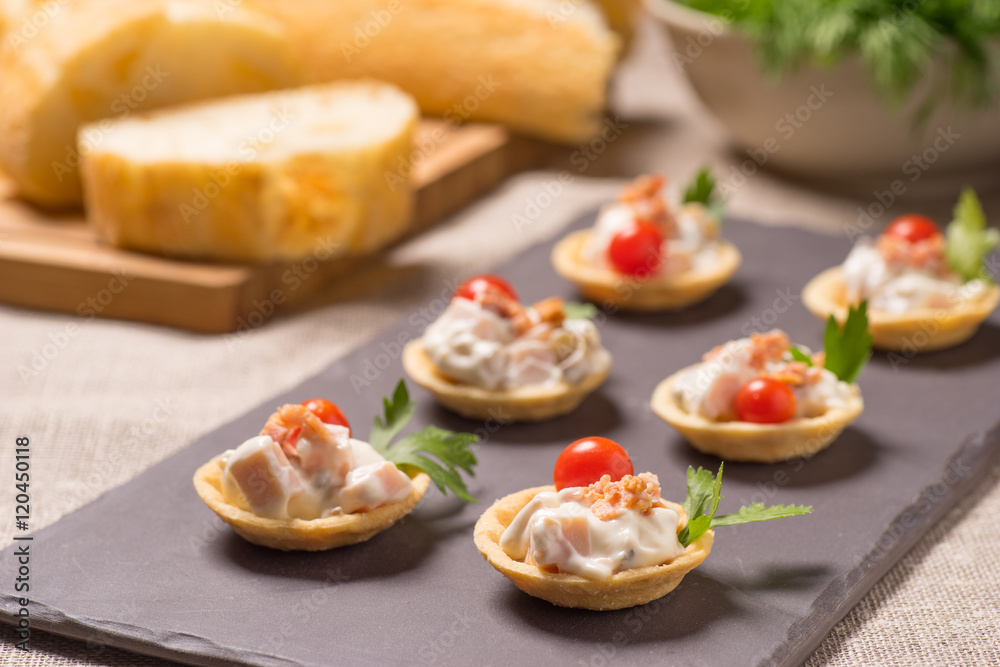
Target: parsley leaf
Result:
[[416, 452], [968, 239], [398, 413], [757, 512], [848, 350], [901, 44], [799, 355], [704, 491], [579, 311], [701, 188]]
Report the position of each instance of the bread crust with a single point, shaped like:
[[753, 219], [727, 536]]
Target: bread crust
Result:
[[919, 330], [608, 288], [627, 588], [298, 534], [535, 67], [506, 406], [761, 443]]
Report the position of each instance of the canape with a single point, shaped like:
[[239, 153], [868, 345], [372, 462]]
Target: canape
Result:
[[305, 484], [926, 290], [763, 399], [605, 543], [645, 255], [489, 356]]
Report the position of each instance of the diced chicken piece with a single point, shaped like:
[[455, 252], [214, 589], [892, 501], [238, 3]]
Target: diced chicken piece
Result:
[[531, 362], [467, 343], [372, 485], [643, 196], [548, 311], [557, 539], [719, 401], [501, 303], [315, 446], [644, 187], [576, 532], [264, 476], [547, 545]]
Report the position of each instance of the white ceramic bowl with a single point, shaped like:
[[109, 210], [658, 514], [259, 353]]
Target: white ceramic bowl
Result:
[[825, 123]]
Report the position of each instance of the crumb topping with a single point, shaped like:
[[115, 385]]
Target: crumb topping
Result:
[[643, 195], [613, 499], [926, 254]]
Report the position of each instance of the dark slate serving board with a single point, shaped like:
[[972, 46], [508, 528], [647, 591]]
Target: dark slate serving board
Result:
[[149, 568]]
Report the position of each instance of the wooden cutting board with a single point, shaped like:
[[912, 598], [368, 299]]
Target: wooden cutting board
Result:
[[54, 262]]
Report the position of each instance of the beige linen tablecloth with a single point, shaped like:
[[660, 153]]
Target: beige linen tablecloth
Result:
[[119, 397]]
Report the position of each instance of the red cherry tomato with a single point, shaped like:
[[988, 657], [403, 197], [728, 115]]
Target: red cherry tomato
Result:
[[327, 412], [637, 250], [912, 228], [586, 461], [765, 401], [476, 285]]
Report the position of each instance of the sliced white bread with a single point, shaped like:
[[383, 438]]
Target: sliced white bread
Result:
[[268, 177], [94, 59], [539, 66]]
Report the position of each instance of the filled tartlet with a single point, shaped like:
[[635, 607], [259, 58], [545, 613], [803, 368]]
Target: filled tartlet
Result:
[[644, 254], [602, 538], [926, 290], [763, 399], [305, 484], [489, 356]]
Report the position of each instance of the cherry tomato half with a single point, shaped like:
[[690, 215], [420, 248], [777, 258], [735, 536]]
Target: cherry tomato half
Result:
[[637, 250], [586, 461], [912, 228], [765, 401], [476, 285], [327, 412]]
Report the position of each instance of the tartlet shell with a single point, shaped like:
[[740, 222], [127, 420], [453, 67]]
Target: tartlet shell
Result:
[[920, 330], [624, 589], [505, 406], [607, 288], [298, 534], [761, 443]]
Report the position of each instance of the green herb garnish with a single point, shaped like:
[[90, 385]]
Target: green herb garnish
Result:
[[704, 491], [412, 453], [968, 239], [701, 190], [579, 311], [900, 43], [799, 355], [850, 348]]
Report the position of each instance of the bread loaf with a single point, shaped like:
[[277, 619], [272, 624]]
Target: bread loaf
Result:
[[93, 59], [269, 177], [538, 66]]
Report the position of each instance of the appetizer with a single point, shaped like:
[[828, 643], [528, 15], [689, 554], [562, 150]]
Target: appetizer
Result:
[[644, 255], [926, 290], [305, 484], [602, 538], [763, 399], [489, 356]]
